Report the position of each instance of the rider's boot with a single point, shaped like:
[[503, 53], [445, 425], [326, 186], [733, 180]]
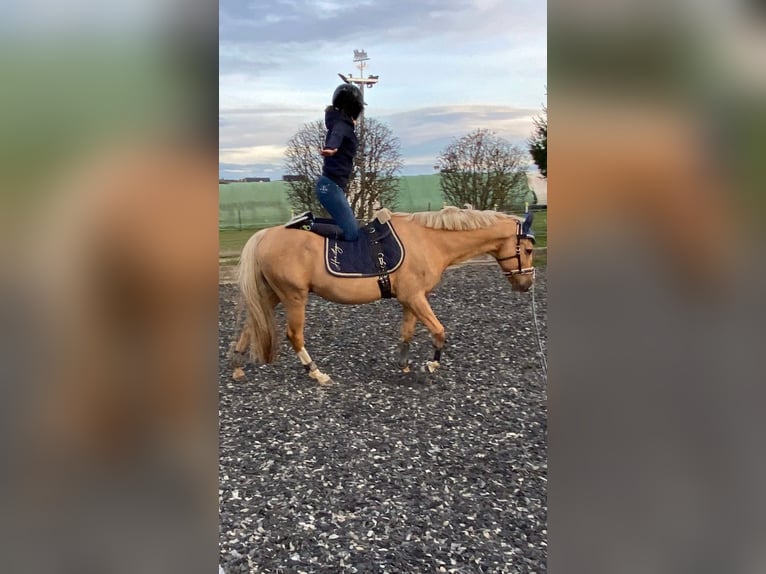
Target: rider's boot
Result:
[[301, 221]]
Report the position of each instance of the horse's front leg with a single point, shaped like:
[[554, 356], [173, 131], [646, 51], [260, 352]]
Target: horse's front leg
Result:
[[408, 332], [423, 312], [296, 319]]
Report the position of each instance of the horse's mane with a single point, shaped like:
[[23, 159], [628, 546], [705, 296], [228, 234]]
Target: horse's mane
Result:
[[450, 218]]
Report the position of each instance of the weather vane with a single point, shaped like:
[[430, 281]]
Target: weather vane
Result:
[[360, 57]]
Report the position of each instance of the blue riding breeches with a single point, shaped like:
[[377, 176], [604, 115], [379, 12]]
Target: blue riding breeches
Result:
[[333, 199]]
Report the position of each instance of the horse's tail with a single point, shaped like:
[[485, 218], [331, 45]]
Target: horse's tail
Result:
[[259, 302]]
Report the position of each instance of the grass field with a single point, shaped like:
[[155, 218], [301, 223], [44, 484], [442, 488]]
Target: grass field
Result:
[[540, 227], [230, 242]]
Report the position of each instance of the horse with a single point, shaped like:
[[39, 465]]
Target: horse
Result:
[[281, 265]]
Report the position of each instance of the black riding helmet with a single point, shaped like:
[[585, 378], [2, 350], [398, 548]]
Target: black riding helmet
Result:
[[348, 98]]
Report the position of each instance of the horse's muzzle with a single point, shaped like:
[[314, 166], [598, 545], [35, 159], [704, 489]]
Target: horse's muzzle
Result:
[[521, 281], [522, 287]]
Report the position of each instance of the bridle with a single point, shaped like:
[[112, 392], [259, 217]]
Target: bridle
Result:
[[520, 234]]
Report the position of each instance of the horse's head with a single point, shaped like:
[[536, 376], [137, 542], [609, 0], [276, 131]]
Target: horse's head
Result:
[[515, 256]]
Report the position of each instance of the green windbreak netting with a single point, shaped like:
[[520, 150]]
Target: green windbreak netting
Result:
[[251, 205], [248, 205]]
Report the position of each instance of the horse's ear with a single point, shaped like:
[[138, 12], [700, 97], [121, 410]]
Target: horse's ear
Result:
[[527, 225]]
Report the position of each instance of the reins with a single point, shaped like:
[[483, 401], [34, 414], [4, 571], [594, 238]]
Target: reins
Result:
[[543, 360], [520, 234]]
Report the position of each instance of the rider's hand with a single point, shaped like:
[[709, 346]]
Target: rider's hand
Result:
[[328, 152]]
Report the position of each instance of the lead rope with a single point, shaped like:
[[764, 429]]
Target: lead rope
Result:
[[543, 360]]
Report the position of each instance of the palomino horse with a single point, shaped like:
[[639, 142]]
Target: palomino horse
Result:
[[280, 265]]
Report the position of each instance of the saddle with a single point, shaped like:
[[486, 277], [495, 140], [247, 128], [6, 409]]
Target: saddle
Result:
[[377, 249], [377, 252]]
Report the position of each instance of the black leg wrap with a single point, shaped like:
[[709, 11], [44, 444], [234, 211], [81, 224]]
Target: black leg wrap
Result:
[[437, 354], [312, 366], [404, 351]]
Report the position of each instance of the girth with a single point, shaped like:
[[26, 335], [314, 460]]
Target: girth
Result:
[[384, 281]]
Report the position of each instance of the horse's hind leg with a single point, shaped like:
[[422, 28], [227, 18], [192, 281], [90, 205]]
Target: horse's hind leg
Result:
[[296, 319], [408, 332], [238, 355], [238, 351], [423, 312]]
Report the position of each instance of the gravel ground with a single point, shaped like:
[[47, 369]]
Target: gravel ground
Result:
[[387, 472]]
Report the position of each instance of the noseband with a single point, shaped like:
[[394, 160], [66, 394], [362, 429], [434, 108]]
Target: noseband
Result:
[[520, 271]]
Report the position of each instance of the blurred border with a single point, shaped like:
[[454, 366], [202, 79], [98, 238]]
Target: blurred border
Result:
[[657, 140], [108, 288]]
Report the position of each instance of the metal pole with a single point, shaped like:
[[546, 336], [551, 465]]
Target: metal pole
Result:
[[363, 150], [360, 57]]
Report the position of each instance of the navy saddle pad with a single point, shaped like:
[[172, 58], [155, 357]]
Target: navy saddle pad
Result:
[[359, 258]]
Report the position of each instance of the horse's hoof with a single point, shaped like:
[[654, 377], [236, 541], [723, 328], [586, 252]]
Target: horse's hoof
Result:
[[429, 367], [237, 359], [239, 374], [320, 377], [406, 369]]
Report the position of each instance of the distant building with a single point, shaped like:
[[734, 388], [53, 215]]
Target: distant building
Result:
[[293, 178], [256, 179]]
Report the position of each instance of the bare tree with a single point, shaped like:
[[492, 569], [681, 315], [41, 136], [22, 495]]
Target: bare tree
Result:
[[303, 160], [373, 182], [484, 171]]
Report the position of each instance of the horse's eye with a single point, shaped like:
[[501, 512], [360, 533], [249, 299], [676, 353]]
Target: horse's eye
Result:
[[529, 251]]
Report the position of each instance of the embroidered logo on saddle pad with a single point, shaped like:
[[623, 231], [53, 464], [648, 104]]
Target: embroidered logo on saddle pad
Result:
[[360, 258]]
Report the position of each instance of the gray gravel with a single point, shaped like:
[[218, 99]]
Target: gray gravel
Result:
[[387, 472]]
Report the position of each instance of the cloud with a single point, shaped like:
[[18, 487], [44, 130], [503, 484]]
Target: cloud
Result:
[[416, 72], [312, 22], [266, 154], [423, 124], [239, 171], [447, 67], [423, 133], [267, 127]]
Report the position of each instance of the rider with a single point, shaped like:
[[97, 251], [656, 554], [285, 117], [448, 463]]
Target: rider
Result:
[[340, 147]]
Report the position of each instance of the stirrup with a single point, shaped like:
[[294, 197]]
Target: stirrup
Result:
[[301, 221]]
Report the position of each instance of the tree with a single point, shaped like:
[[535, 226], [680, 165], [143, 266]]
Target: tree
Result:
[[482, 170], [538, 143], [303, 160], [373, 181], [376, 164]]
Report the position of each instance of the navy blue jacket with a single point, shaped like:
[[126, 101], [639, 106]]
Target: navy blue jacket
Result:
[[340, 136]]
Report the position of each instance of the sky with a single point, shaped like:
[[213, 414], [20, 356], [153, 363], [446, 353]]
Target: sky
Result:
[[446, 68]]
